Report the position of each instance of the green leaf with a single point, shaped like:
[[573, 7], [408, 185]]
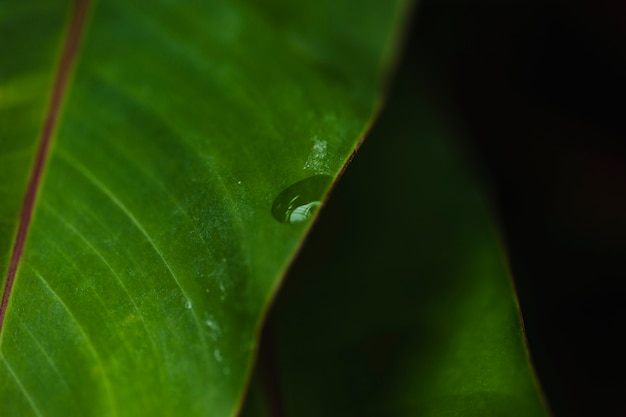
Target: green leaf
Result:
[[153, 251], [402, 303]]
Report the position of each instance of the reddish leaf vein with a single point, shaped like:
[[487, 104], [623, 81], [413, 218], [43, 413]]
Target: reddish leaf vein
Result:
[[70, 48]]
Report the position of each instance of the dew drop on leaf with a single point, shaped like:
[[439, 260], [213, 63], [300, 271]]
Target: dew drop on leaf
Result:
[[298, 202]]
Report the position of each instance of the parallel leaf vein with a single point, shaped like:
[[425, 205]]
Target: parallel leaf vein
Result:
[[105, 376], [27, 395], [117, 277], [49, 359], [106, 191]]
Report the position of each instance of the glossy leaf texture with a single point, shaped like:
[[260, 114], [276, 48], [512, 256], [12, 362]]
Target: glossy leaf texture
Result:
[[401, 304], [153, 251]]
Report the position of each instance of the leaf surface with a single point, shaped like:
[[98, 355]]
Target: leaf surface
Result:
[[152, 251]]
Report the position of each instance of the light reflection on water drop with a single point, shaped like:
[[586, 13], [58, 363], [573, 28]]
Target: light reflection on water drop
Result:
[[298, 202]]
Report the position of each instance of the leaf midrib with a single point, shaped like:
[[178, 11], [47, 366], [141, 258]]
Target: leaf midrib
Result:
[[65, 66]]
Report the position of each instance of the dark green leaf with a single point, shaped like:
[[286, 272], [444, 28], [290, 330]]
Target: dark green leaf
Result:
[[402, 304]]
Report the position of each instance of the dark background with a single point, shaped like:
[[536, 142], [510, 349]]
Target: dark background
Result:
[[539, 88]]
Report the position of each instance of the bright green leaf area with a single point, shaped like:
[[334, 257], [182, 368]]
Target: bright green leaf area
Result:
[[404, 305], [152, 252]]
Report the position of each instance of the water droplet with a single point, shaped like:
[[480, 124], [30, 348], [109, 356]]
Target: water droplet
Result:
[[188, 305], [218, 355], [213, 325], [298, 202], [239, 182]]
